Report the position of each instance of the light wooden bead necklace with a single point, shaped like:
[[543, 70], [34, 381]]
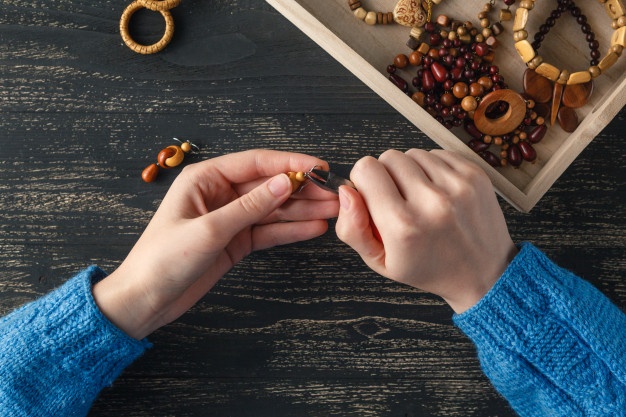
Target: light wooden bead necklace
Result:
[[616, 11], [410, 13]]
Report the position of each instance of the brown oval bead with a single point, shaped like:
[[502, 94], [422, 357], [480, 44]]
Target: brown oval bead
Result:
[[514, 155], [428, 81], [415, 58], [568, 119], [447, 99], [469, 103], [476, 90], [418, 97], [399, 82], [491, 159], [150, 172], [473, 130], [401, 61], [477, 145], [537, 133], [527, 151], [460, 90], [486, 82], [439, 72]]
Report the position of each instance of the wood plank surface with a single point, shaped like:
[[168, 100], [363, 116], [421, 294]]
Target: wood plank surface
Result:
[[300, 330]]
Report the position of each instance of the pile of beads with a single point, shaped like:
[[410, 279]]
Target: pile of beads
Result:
[[528, 52], [455, 74]]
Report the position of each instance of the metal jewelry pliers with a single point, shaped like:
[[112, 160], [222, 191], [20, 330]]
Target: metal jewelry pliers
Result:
[[327, 180]]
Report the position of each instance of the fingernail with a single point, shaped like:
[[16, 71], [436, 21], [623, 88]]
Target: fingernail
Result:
[[344, 199], [279, 185]]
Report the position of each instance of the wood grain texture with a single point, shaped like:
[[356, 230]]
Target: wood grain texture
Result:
[[294, 331]]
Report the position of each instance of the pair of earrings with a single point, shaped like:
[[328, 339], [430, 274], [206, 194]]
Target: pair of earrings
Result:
[[167, 158]]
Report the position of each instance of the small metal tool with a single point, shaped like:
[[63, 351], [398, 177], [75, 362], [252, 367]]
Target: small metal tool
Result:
[[327, 180]]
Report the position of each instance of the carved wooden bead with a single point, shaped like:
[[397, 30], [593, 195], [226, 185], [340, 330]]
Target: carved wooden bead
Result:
[[409, 13]]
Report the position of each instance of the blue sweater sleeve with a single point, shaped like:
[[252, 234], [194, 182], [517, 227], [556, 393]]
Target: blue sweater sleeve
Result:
[[551, 343], [58, 352]]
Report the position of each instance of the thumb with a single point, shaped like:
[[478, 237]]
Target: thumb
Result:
[[251, 207], [355, 228]]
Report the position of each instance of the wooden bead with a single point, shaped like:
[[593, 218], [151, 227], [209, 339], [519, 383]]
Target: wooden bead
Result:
[[416, 32], [520, 35], [505, 15], [171, 156], [549, 71], [423, 48], [415, 58], [401, 61], [419, 98], [594, 71], [370, 18], [568, 119], [355, 5], [460, 90], [619, 37], [617, 49], [614, 8], [486, 82], [497, 28], [608, 61], [537, 86], [186, 147], [469, 103], [527, 4], [409, 13], [621, 21], [506, 123], [150, 172], [525, 49], [443, 20], [360, 13], [535, 62], [557, 94], [579, 77], [563, 77], [521, 18], [578, 94], [476, 90]]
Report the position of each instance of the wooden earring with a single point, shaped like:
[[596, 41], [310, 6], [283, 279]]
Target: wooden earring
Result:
[[167, 158]]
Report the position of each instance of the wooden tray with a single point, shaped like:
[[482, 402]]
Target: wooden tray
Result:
[[367, 50]]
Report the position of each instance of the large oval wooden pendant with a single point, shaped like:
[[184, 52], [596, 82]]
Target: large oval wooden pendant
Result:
[[506, 123]]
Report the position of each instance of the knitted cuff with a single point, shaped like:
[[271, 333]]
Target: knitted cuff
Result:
[[60, 351]]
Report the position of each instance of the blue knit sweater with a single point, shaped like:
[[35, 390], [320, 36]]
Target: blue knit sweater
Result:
[[550, 342]]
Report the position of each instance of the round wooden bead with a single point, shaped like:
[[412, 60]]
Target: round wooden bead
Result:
[[460, 90], [401, 61], [469, 103]]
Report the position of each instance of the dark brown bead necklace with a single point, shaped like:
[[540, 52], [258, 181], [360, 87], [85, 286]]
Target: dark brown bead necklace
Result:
[[563, 7]]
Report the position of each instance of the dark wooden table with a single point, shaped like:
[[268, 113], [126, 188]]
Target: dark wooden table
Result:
[[301, 330]]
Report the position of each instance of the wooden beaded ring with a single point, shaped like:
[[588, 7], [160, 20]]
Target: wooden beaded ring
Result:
[[145, 49], [158, 5], [616, 11]]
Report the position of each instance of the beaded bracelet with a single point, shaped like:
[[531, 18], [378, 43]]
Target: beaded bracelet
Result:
[[616, 11]]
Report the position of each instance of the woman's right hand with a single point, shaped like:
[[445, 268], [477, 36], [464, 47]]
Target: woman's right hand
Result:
[[441, 226]]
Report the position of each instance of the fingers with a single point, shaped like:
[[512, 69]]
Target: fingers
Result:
[[275, 234], [259, 163], [354, 228], [248, 209], [302, 210]]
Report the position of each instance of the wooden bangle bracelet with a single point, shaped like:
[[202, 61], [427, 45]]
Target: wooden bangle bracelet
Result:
[[146, 49]]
